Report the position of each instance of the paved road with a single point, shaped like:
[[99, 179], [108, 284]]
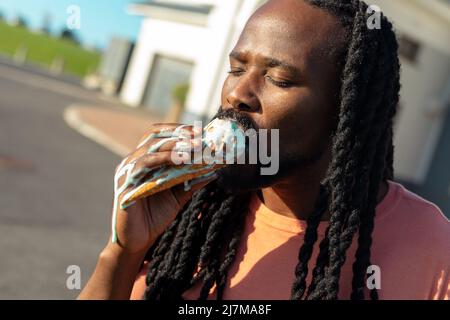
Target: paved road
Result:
[[55, 188]]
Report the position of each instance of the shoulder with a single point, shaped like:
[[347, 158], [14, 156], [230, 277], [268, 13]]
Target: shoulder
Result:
[[417, 218], [422, 210]]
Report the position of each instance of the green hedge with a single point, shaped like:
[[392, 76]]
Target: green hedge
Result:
[[43, 49]]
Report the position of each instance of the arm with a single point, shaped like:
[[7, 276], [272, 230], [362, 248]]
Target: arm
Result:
[[114, 275], [138, 226]]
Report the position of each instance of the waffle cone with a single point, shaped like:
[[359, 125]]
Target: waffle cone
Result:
[[151, 187]]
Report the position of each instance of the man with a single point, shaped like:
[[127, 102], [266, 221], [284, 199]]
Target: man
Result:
[[331, 223]]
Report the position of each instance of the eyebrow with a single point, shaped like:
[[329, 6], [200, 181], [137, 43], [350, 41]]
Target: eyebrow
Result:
[[268, 61]]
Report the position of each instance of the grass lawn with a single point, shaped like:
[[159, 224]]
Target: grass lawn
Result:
[[43, 49]]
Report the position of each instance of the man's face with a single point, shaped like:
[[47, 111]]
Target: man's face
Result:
[[283, 76]]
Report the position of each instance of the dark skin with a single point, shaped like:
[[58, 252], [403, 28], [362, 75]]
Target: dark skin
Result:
[[282, 77]]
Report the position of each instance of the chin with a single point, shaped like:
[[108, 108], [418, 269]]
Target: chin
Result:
[[241, 178], [237, 178]]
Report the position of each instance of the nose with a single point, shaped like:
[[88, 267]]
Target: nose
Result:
[[242, 96]]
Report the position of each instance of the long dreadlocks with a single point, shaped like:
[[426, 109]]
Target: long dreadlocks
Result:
[[201, 244]]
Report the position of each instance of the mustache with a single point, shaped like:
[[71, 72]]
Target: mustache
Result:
[[242, 119]]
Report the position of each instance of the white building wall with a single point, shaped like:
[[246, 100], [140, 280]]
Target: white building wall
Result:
[[207, 47], [423, 83], [181, 41], [417, 129], [205, 77], [203, 46], [247, 9]]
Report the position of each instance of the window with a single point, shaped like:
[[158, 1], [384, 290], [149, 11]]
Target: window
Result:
[[165, 75], [408, 48]]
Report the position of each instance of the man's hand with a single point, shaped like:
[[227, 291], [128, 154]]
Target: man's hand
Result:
[[138, 226]]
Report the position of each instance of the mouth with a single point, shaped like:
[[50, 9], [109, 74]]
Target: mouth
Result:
[[244, 121], [225, 138]]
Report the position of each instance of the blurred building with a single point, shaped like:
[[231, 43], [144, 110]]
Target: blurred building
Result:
[[189, 41], [422, 135], [183, 41], [114, 64]]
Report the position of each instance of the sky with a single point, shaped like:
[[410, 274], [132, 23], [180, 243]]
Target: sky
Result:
[[99, 19]]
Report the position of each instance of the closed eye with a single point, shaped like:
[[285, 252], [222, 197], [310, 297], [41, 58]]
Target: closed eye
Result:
[[236, 72], [281, 84]]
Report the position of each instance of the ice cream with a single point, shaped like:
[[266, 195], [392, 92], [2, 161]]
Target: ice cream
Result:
[[223, 142]]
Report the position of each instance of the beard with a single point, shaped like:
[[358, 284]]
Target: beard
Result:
[[242, 178]]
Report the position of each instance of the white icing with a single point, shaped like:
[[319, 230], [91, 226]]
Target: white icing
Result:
[[221, 133]]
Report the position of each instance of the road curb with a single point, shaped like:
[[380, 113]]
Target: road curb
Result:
[[72, 118]]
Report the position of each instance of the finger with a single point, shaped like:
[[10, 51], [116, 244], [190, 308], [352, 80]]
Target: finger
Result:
[[133, 167], [167, 130], [150, 162], [156, 145], [176, 144], [149, 168], [176, 127]]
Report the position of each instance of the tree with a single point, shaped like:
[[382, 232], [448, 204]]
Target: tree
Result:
[[20, 22], [46, 23], [179, 93], [68, 34]]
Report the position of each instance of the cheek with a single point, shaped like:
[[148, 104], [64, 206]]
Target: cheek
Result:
[[226, 89], [303, 122]]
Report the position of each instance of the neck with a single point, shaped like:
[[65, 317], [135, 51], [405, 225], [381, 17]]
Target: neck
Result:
[[296, 196]]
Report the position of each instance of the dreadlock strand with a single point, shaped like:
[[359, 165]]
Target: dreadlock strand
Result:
[[310, 238]]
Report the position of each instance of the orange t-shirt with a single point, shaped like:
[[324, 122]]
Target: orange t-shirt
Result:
[[411, 246]]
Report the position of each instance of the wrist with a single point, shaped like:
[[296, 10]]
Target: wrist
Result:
[[114, 275], [114, 253]]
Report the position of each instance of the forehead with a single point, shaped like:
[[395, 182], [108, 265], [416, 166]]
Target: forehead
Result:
[[292, 31]]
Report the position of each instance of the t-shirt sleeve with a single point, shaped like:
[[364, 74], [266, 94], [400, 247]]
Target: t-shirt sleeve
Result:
[[440, 244]]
